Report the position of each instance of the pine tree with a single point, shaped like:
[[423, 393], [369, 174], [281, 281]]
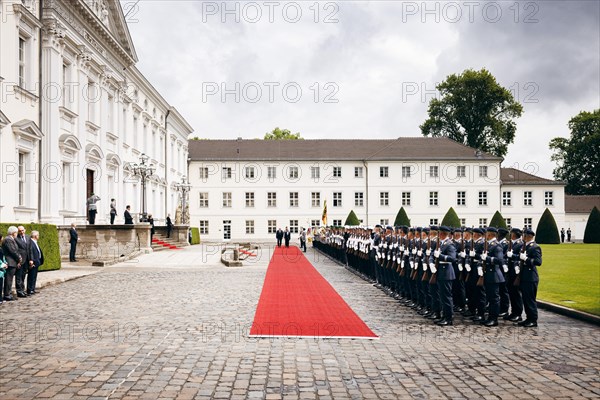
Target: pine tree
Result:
[[498, 221], [402, 218], [592, 228], [547, 231], [451, 219], [352, 219]]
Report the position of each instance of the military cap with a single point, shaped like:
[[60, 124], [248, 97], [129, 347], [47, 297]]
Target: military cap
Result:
[[418, 229], [478, 230], [516, 231], [378, 226], [502, 231], [458, 230], [425, 229], [467, 229], [528, 231], [434, 228], [404, 228], [492, 229], [444, 228], [391, 228], [412, 230]]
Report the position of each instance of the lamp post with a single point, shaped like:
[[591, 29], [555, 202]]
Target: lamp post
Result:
[[144, 171], [183, 188]]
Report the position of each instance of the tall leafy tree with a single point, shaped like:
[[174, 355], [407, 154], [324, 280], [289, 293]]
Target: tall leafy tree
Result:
[[578, 157], [473, 109], [282, 134], [402, 218]]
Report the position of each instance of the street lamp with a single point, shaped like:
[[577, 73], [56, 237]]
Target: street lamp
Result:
[[183, 188], [144, 171]]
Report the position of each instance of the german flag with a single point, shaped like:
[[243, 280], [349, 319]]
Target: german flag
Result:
[[324, 216]]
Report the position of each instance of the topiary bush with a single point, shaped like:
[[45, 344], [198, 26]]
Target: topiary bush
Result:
[[195, 235], [592, 228], [547, 231], [48, 242], [402, 218], [352, 219], [498, 221], [451, 219]]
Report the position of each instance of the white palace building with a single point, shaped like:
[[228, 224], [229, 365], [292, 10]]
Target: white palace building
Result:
[[246, 189], [76, 113]]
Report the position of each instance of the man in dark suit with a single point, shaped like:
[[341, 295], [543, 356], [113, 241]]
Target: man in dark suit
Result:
[[445, 255], [287, 236], [532, 258], [24, 243], [37, 256], [73, 239], [127, 216], [279, 236], [13, 259], [493, 259]]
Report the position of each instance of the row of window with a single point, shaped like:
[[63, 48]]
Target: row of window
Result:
[[384, 199], [293, 224], [293, 172]]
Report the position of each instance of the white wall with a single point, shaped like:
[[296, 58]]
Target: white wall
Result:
[[518, 211]]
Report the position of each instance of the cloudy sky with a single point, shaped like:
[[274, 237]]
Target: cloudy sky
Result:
[[366, 69]]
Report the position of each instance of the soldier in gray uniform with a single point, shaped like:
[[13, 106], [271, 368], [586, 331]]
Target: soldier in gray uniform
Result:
[[532, 258], [512, 256], [493, 259], [444, 256]]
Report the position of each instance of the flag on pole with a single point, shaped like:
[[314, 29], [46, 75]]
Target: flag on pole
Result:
[[324, 216]]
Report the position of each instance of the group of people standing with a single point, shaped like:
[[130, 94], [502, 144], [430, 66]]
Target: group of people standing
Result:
[[20, 259], [286, 236], [439, 271]]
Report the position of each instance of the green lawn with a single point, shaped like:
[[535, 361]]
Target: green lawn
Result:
[[570, 276]]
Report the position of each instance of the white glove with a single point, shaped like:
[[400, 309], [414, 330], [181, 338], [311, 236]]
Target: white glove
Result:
[[505, 268], [509, 254], [414, 251], [462, 254], [432, 267], [419, 253], [427, 253], [414, 265], [517, 270], [436, 254], [468, 267], [484, 256], [377, 256], [472, 253], [402, 264], [460, 267], [401, 248], [480, 271], [523, 256], [388, 257], [424, 266], [394, 258]]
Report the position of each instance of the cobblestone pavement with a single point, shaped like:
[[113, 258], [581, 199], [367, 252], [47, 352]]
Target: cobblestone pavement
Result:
[[173, 325]]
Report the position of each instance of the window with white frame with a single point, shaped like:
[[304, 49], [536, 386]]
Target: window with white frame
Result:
[[384, 172], [315, 223], [358, 172], [249, 173], [203, 173], [66, 186], [203, 227], [272, 199], [22, 186], [527, 198], [434, 171], [461, 171], [461, 198], [293, 172], [66, 76], [23, 61], [406, 198], [359, 199], [337, 222], [226, 199], [433, 198], [508, 222], [203, 196], [315, 199], [294, 199], [527, 223], [483, 171], [249, 199], [337, 199], [463, 222], [226, 173], [384, 198], [433, 221], [483, 198], [249, 227], [482, 222], [384, 222], [406, 171], [293, 226], [549, 198], [337, 172], [315, 173], [507, 199], [271, 172], [271, 226]]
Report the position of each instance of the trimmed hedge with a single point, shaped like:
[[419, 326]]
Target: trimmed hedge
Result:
[[402, 218], [498, 221], [195, 235], [352, 219], [48, 242], [547, 231], [592, 228], [451, 219]]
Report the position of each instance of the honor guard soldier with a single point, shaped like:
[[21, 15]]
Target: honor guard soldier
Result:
[[375, 254], [458, 285], [504, 297], [531, 259], [434, 297], [476, 294], [442, 264], [512, 255], [492, 261]]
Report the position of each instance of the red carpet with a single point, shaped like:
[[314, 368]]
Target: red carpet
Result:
[[296, 301]]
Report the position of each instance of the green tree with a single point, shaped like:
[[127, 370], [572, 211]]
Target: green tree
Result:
[[547, 231], [592, 228], [473, 109], [451, 219], [282, 134], [578, 157], [498, 221], [352, 219], [402, 218]]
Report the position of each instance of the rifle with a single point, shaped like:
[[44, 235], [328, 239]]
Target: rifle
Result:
[[438, 247], [462, 250], [517, 281], [471, 249], [425, 274], [485, 249]]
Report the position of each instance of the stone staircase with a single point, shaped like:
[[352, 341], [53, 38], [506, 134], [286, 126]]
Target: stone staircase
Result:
[[161, 242]]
